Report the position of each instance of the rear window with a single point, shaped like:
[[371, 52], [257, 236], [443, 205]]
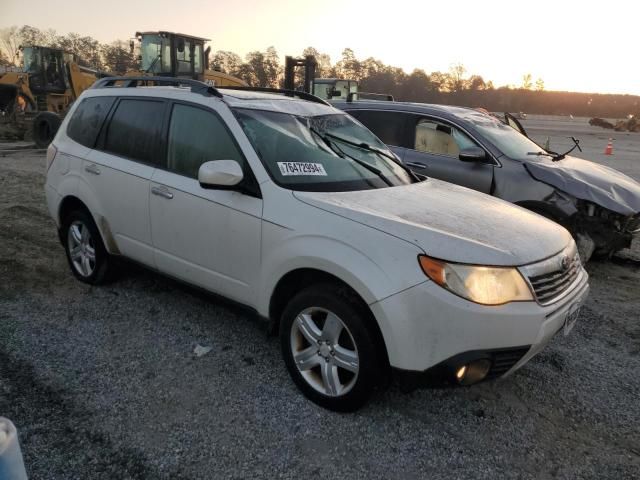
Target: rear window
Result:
[[87, 120], [134, 130], [387, 126]]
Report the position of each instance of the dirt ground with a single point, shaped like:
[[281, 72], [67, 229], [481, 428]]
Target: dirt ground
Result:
[[103, 383]]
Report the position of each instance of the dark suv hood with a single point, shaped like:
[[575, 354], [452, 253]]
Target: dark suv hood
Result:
[[590, 181]]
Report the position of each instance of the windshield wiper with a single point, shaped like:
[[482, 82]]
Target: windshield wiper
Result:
[[338, 151], [558, 156], [366, 146], [363, 145]]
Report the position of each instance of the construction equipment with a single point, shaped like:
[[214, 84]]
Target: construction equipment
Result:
[[325, 88], [34, 98], [178, 55]]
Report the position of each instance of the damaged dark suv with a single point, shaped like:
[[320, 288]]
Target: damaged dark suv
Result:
[[598, 205]]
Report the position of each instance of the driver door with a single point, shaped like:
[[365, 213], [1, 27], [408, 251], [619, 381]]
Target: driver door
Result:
[[435, 153], [207, 237]]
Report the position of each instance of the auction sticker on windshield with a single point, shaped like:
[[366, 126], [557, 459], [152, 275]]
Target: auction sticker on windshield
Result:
[[301, 168]]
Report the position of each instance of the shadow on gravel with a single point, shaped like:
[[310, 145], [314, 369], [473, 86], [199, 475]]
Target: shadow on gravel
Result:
[[53, 430]]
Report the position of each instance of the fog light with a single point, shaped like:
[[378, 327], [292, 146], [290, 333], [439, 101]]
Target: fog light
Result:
[[473, 372]]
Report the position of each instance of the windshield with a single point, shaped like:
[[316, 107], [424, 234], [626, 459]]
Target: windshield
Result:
[[156, 54], [509, 141], [31, 60], [318, 153]]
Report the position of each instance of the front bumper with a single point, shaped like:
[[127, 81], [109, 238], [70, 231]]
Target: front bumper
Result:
[[426, 327]]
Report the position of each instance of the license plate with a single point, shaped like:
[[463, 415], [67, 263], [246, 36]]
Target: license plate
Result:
[[571, 318]]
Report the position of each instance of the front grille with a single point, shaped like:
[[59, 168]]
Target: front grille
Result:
[[553, 277], [503, 360], [550, 285]]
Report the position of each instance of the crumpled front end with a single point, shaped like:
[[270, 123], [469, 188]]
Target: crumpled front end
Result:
[[610, 231]]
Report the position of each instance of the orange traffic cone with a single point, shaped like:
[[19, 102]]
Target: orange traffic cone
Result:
[[609, 148]]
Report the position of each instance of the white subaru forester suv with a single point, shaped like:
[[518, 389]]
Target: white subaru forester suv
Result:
[[294, 209]]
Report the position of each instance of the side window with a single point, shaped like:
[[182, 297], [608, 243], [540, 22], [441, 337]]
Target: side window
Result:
[[134, 130], [440, 139], [387, 126], [197, 136], [87, 120]]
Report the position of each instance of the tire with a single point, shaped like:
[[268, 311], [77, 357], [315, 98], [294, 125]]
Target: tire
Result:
[[88, 259], [45, 126], [329, 347]]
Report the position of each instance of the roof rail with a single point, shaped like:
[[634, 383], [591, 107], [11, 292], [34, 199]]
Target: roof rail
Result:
[[132, 82], [387, 97], [289, 93]]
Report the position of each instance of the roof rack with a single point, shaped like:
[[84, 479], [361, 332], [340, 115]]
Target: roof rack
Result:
[[289, 93], [132, 82], [387, 97]]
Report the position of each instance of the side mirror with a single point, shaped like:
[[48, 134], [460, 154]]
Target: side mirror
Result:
[[472, 154], [220, 174]]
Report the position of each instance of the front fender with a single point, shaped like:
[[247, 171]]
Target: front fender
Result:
[[394, 268]]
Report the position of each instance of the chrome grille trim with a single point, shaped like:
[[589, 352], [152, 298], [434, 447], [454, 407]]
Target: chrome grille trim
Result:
[[550, 280]]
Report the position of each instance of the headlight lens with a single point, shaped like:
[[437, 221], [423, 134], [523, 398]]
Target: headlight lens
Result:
[[485, 285]]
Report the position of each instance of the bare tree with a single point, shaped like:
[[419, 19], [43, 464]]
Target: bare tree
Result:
[[539, 85], [9, 44], [527, 83]]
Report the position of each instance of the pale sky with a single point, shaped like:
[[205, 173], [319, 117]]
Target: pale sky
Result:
[[572, 45]]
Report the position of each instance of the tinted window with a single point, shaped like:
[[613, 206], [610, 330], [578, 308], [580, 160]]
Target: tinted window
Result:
[[87, 120], [134, 130], [439, 138], [197, 136], [388, 126]]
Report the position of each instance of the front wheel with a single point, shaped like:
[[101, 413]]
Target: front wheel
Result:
[[329, 349]]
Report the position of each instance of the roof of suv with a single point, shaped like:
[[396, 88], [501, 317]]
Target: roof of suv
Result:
[[257, 100]]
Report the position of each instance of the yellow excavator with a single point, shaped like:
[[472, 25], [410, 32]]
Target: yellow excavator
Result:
[[35, 98], [178, 55]]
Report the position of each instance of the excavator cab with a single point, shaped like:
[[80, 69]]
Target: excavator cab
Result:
[[172, 54], [46, 69]]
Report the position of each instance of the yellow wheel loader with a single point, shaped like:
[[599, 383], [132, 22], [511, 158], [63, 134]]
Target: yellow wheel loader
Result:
[[178, 55], [35, 98]]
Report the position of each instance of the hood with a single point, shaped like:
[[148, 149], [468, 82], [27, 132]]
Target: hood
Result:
[[449, 222], [590, 181]]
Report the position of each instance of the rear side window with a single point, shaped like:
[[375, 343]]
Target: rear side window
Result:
[[87, 120], [134, 130], [197, 136], [387, 126]]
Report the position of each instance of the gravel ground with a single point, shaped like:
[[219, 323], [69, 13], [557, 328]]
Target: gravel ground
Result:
[[102, 383]]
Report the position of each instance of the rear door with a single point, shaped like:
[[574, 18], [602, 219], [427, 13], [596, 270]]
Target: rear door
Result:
[[436, 146], [207, 237], [388, 126], [119, 170]]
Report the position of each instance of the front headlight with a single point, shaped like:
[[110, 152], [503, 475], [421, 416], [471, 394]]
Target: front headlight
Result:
[[485, 285]]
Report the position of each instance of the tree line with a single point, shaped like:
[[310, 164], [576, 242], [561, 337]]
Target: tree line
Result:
[[264, 68]]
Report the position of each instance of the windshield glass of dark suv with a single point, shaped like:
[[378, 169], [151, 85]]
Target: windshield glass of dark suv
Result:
[[321, 153]]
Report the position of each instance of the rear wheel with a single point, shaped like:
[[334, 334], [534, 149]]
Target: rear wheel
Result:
[[329, 349], [87, 257], [45, 126]]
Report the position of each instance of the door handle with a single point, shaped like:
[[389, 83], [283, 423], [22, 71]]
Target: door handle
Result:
[[92, 169], [162, 192], [416, 165]]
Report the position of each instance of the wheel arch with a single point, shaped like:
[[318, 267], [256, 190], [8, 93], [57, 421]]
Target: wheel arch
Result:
[[70, 203], [298, 279]]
